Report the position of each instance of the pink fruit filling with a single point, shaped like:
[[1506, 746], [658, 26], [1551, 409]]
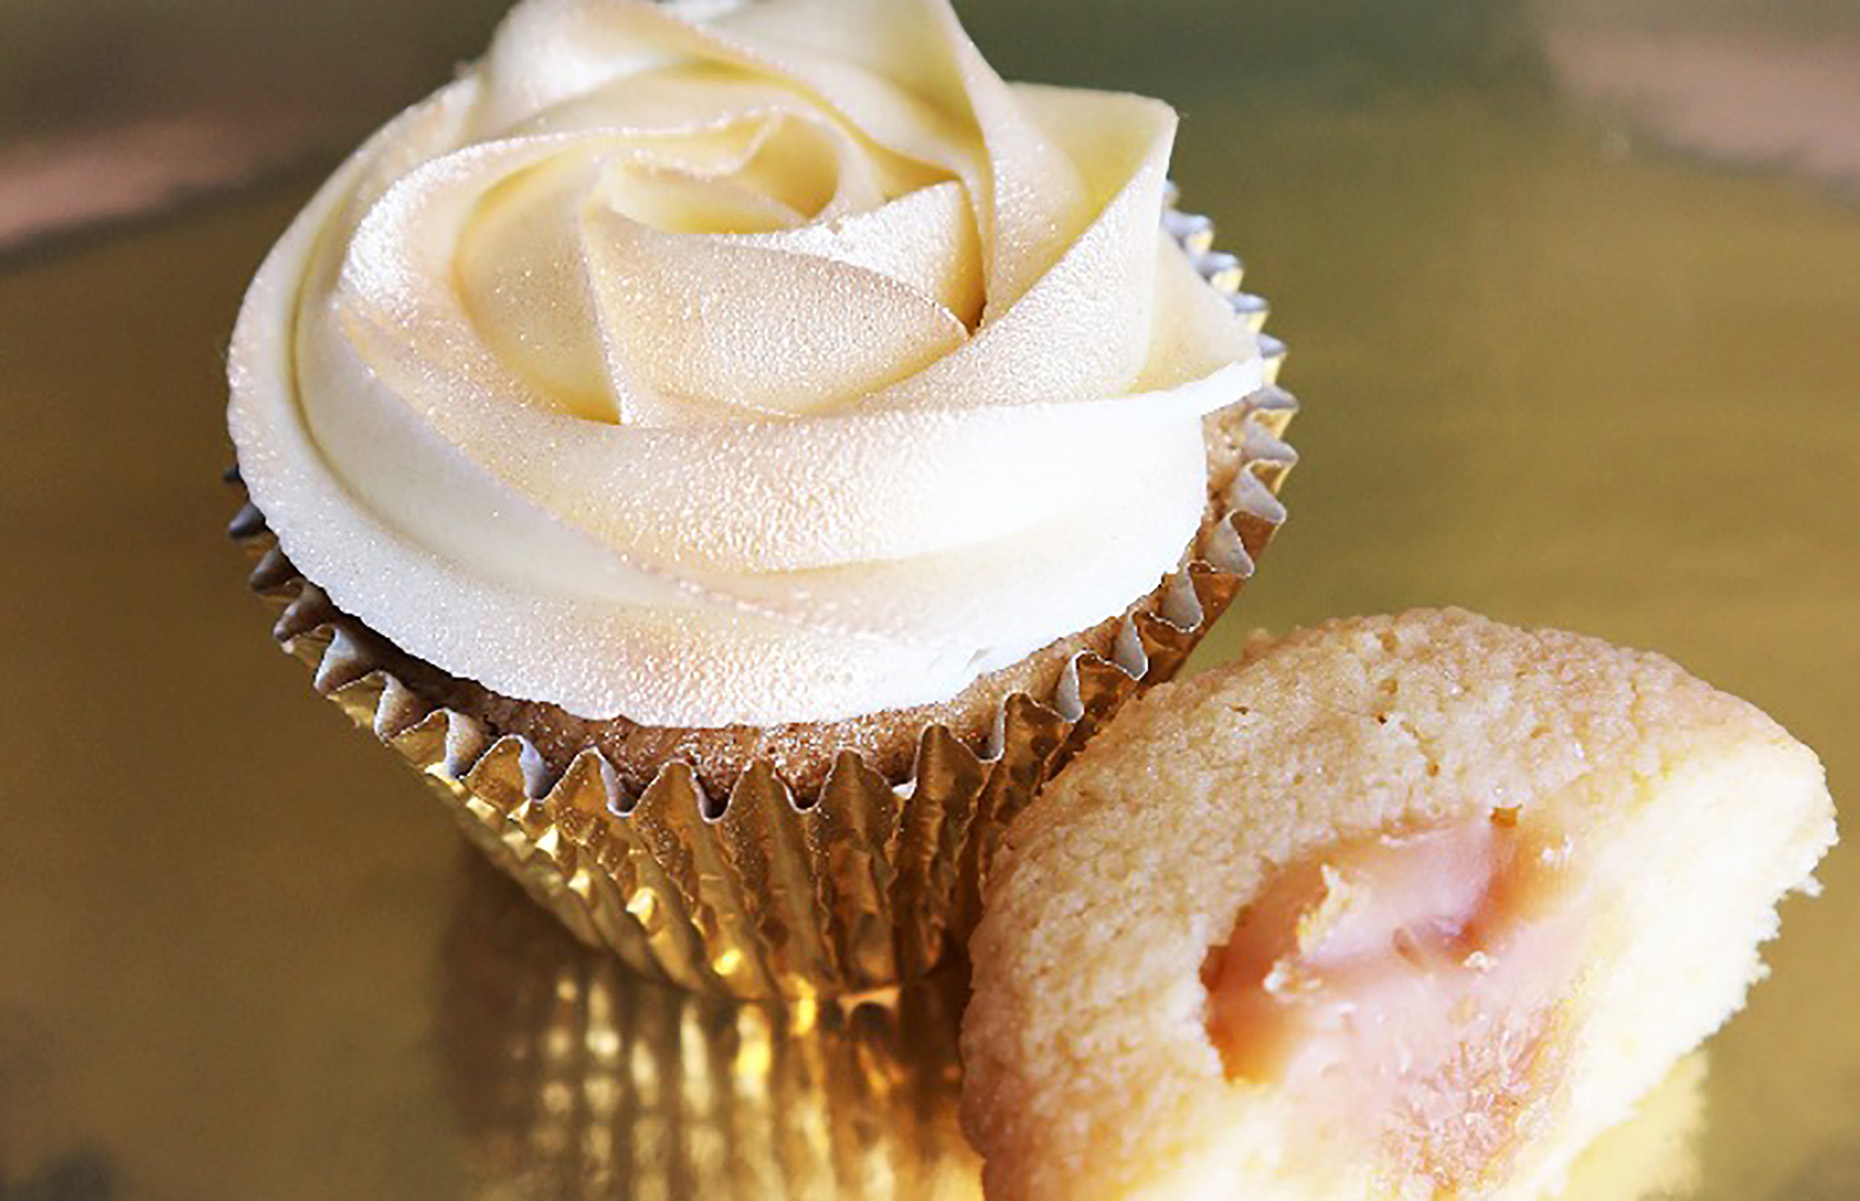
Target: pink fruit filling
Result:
[[1404, 989]]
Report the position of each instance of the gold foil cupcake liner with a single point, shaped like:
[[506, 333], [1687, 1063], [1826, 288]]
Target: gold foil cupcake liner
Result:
[[763, 893], [572, 1077]]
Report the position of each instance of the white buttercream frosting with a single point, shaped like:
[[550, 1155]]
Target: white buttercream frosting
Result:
[[715, 364]]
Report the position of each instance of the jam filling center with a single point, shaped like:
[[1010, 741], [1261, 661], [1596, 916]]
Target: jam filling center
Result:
[[1404, 989]]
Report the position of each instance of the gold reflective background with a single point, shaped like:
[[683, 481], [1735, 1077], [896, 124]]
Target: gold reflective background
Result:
[[1573, 296]]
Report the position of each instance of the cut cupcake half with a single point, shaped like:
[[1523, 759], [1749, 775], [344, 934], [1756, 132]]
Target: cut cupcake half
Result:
[[1397, 907]]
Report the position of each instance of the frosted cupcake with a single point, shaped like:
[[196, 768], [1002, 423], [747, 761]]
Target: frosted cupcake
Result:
[[1398, 907], [738, 450]]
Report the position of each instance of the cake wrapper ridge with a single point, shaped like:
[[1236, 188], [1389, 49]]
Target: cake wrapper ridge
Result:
[[761, 892]]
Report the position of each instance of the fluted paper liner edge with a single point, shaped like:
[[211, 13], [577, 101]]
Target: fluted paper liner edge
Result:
[[769, 894]]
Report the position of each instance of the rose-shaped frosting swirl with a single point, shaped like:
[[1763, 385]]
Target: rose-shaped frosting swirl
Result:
[[711, 364]]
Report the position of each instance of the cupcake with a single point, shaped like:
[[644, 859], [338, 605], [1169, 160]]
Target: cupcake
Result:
[[1396, 907], [737, 451]]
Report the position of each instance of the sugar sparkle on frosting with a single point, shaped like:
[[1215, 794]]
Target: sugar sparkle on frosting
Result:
[[736, 364]]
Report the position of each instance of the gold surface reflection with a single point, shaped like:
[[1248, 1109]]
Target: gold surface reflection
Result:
[[1565, 359], [574, 1078]]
